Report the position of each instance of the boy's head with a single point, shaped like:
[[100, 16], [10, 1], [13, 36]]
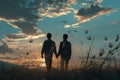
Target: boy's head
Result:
[[49, 35], [65, 36]]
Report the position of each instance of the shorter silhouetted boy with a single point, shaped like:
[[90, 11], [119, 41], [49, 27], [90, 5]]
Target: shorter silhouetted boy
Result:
[[65, 52]]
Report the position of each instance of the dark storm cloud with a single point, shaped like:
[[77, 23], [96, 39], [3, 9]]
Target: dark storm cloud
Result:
[[86, 14], [5, 49], [21, 14]]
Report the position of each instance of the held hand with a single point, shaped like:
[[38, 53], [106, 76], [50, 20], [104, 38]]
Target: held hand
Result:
[[42, 56], [56, 56], [70, 57]]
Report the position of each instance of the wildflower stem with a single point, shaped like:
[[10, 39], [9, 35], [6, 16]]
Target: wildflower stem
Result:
[[101, 65], [88, 55]]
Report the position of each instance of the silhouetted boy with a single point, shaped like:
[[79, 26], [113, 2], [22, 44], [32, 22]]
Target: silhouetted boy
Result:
[[48, 49], [65, 52]]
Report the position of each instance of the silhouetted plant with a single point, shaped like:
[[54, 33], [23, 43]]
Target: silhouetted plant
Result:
[[89, 51], [89, 37], [110, 45], [117, 37], [27, 53], [105, 53], [86, 31], [106, 38], [110, 52], [101, 53], [94, 56]]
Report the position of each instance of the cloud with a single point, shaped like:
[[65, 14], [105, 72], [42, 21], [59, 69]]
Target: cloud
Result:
[[99, 1], [115, 22], [72, 25], [55, 8], [87, 14], [20, 14], [89, 2], [15, 36], [27, 27], [24, 14], [90, 10], [5, 49], [18, 37]]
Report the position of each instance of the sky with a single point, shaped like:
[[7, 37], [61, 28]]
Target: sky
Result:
[[25, 23]]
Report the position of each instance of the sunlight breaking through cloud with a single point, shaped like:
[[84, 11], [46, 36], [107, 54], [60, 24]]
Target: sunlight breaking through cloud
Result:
[[24, 14], [55, 8]]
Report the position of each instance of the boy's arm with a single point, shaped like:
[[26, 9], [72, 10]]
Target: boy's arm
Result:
[[70, 48], [43, 50], [59, 51], [55, 50]]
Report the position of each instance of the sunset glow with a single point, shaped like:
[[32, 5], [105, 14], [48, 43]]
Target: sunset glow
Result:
[[92, 26]]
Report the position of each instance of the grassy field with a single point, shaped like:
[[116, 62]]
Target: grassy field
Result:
[[23, 73]]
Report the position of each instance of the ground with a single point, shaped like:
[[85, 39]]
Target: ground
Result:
[[23, 73]]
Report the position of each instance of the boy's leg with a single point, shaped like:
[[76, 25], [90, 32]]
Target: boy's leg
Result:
[[62, 64], [50, 65], [48, 62], [66, 64]]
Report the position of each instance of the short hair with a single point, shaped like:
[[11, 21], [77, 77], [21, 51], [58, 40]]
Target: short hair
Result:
[[65, 36], [49, 35]]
